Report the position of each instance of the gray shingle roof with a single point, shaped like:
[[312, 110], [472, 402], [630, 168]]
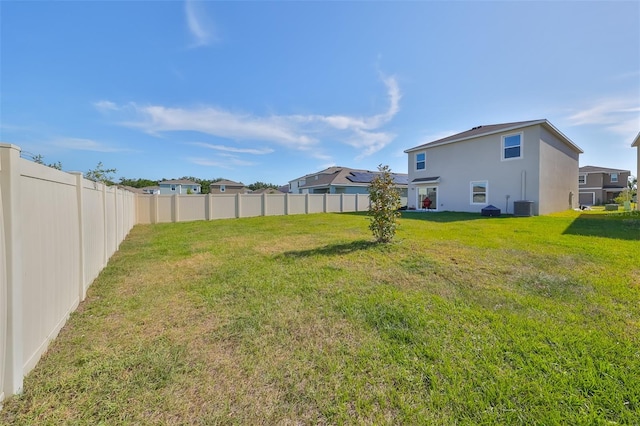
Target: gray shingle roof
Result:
[[597, 169], [495, 128]]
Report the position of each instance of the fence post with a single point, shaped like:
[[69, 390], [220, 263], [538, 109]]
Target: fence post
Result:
[[154, 206], [116, 234], [82, 294], [11, 369], [238, 205], [176, 208], [341, 203], [105, 257], [264, 204], [306, 203], [207, 213], [286, 204], [324, 202]]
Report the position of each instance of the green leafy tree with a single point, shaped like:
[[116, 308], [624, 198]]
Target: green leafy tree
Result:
[[261, 185], [40, 160], [384, 200], [138, 183], [101, 174]]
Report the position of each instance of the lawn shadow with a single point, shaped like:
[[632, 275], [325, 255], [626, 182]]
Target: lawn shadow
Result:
[[445, 217], [619, 226], [332, 249], [441, 217]]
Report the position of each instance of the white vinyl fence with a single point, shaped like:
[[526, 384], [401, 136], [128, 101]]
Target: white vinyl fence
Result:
[[183, 208], [57, 232]]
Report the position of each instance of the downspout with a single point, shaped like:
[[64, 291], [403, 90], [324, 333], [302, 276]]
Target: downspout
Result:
[[523, 181]]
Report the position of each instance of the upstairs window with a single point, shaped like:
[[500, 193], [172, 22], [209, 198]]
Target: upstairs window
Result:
[[421, 161], [173, 187], [223, 188], [582, 179], [614, 177], [512, 146]]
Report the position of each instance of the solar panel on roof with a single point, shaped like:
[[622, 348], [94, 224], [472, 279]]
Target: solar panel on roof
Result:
[[364, 177]]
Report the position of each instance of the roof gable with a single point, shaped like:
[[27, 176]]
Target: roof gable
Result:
[[179, 182], [596, 169], [486, 130], [227, 183], [636, 141]]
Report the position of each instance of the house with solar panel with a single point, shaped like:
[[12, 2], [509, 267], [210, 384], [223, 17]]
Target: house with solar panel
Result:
[[343, 180], [524, 168]]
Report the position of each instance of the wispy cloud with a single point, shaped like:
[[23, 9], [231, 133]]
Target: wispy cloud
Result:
[[105, 106], [227, 163], [218, 122], [261, 151], [86, 145], [199, 24], [618, 115], [308, 133]]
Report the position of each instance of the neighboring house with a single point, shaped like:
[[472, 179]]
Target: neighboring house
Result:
[[151, 190], [180, 186], [497, 165], [227, 187], [343, 180], [600, 185], [266, 191]]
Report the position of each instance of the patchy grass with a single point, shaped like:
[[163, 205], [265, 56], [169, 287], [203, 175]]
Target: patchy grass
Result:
[[303, 320]]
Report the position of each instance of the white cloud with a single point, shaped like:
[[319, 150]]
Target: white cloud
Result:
[[86, 145], [198, 23], [261, 151], [370, 142], [218, 122], [300, 132], [620, 116], [227, 163], [104, 106]]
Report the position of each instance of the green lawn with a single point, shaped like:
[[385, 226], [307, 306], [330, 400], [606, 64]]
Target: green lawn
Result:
[[303, 320]]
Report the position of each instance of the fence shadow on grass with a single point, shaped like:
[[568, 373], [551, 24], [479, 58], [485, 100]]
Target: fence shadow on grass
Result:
[[619, 226], [332, 249]]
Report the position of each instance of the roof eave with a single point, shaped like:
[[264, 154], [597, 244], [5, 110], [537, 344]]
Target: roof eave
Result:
[[507, 129]]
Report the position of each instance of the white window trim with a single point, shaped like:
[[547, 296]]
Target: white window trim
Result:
[[611, 177], [223, 188], [486, 192], [415, 161], [502, 147], [584, 177]]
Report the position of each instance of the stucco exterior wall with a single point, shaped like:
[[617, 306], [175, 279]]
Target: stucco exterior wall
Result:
[[558, 189], [460, 163]]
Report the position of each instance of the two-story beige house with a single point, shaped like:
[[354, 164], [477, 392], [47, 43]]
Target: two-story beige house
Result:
[[228, 187], [600, 185], [500, 164]]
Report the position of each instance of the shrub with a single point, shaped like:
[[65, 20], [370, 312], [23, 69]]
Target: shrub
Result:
[[384, 203]]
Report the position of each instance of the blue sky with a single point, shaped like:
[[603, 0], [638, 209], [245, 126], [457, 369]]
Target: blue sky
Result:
[[270, 91]]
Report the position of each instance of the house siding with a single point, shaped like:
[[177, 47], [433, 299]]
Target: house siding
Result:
[[460, 163], [546, 173], [558, 189]]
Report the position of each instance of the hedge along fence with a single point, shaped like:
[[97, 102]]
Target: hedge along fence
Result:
[[182, 208], [57, 231]]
